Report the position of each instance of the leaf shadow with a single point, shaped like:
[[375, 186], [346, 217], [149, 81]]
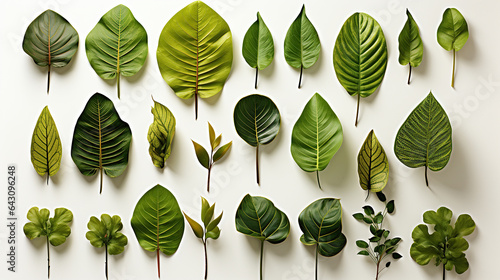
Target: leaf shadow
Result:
[[265, 74], [336, 173], [469, 50], [63, 248], [455, 176], [39, 243], [424, 67]]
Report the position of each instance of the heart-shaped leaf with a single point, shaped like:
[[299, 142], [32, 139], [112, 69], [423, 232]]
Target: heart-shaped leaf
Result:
[[411, 47], [51, 41], [373, 166], [161, 134], [452, 34], [257, 121], [316, 136], [302, 45], [118, 45], [195, 52], [360, 56], [101, 140], [424, 139], [158, 222], [46, 149], [258, 46]]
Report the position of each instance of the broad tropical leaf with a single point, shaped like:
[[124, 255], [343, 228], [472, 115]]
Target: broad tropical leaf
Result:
[[424, 139], [161, 134], [46, 149], [158, 222], [360, 56], [51, 41], [101, 140], [302, 45], [258, 46], [452, 34], [257, 121], [118, 45], [373, 166], [195, 52], [411, 47]]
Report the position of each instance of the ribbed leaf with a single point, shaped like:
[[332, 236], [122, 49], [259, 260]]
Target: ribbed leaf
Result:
[[101, 140], [46, 149], [51, 41], [161, 134], [424, 139], [360, 56], [118, 45], [195, 52], [373, 166], [411, 47], [316, 136]]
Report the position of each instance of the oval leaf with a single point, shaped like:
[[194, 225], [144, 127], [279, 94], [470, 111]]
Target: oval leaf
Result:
[[373, 166], [222, 151], [51, 41], [424, 139], [201, 154], [195, 52], [118, 45], [46, 149], [411, 47], [101, 140], [161, 134]]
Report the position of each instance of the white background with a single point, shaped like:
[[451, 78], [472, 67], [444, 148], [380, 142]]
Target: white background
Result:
[[468, 184]]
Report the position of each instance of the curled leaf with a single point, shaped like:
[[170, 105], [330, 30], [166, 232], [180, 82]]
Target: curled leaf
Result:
[[161, 134]]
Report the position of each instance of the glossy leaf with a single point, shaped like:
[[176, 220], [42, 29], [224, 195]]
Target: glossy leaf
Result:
[[360, 56], [117, 45], [411, 48], [195, 226], [195, 52], [302, 45], [161, 134], [222, 151], [46, 149], [202, 155], [373, 166], [101, 140], [158, 222], [316, 136], [424, 139]]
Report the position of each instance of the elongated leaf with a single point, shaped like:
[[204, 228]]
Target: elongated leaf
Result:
[[222, 151], [424, 139], [46, 149], [51, 41], [360, 56], [195, 226], [195, 52], [202, 155], [316, 136], [118, 45], [373, 166], [411, 48], [302, 45], [106, 232], [101, 140], [158, 222], [161, 134]]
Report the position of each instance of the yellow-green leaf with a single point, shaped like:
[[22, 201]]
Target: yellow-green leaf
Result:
[[201, 154], [161, 134], [222, 151], [197, 229], [373, 166], [211, 134]]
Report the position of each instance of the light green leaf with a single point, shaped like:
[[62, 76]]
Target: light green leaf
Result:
[[204, 206], [51, 41], [197, 229], [360, 56], [411, 48], [316, 136], [213, 224], [101, 140], [213, 234], [202, 155], [161, 134], [211, 136], [222, 151], [118, 45], [195, 52], [208, 216], [373, 166], [424, 139], [46, 149], [106, 232], [216, 142], [463, 226]]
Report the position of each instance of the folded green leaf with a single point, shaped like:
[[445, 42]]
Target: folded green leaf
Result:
[[161, 134], [51, 41], [411, 47], [118, 45], [424, 139], [373, 166]]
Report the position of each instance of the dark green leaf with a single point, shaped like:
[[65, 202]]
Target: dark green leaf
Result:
[[387, 264], [390, 207], [374, 239], [378, 218], [373, 230], [362, 244], [161, 134], [396, 256], [358, 216], [367, 220], [363, 253], [381, 196], [411, 48], [379, 249], [368, 210]]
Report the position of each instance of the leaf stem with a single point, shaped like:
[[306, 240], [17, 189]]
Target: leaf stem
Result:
[[257, 164], [317, 178], [101, 175], [195, 106], [158, 261], [409, 75], [261, 257], [48, 258], [426, 179], [208, 180], [316, 271], [444, 272], [48, 80], [206, 258], [118, 84], [357, 111], [106, 261], [453, 71], [300, 77], [256, 76]]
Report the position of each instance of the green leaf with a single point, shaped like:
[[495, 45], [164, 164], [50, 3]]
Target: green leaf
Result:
[[390, 207], [222, 151], [316, 136], [204, 207], [118, 45], [195, 52], [216, 142], [211, 136], [51, 41], [373, 166], [411, 48], [368, 210], [424, 139], [362, 244], [363, 253], [46, 149], [214, 234], [208, 216], [101, 140], [107, 232], [161, 134], [396, 256], [258, 46], [257, 121], [358, 216], [197, 229], [378, 218], [381, 196], [321, 223], [202, 155], [360, 56], [213, 224], [463, 226]]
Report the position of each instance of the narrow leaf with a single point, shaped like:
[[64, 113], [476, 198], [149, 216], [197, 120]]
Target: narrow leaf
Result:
[[209, 215], [222, 151], [211, 135], [213, 224], [197, 229], [201, 154], [411, 48]]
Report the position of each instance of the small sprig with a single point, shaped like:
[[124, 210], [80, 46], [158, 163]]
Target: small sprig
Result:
[[209, 229], [216, 153]]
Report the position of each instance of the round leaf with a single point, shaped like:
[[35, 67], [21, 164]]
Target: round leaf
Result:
[[258, 45], [107, 232], [453, 32], [373, 166]]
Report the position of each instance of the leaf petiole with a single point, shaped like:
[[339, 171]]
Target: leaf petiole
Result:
[[453, 71], [357, 111], [48, 258], [48, 80], [256, 76], [300, 77], [106, 261], [257, 164], [261, 257], [409, 74]]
